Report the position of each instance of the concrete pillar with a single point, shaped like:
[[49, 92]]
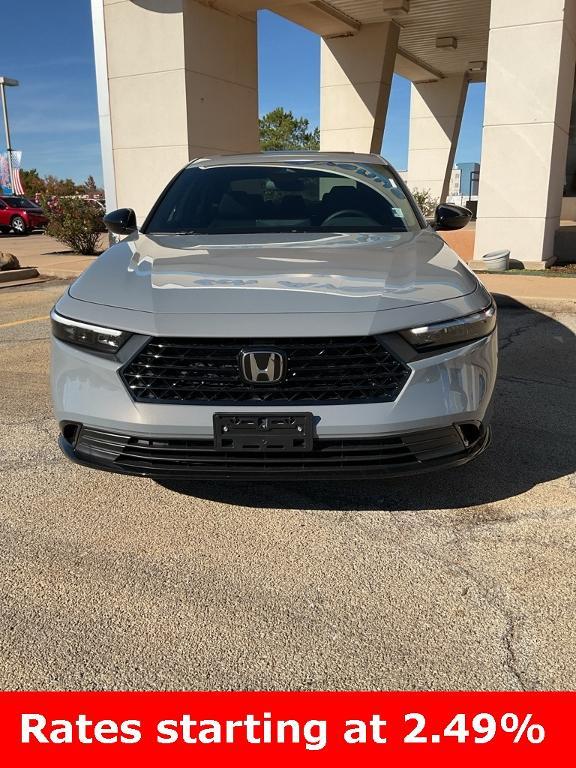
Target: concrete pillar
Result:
[[435, 118], [356, 76], [182, 82], [530, 76]]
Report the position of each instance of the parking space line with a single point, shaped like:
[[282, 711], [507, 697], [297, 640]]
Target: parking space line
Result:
[[21, 322]]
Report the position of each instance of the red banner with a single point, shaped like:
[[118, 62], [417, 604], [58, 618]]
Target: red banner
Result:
[[260, 729]]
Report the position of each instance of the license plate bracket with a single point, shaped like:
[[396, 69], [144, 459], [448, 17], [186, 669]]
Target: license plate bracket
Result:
[[272, 432]]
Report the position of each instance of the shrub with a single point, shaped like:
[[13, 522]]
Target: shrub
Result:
[[74, 222], [425, 201]]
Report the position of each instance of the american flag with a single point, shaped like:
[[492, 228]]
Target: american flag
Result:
[[16, 163], [17, 188]]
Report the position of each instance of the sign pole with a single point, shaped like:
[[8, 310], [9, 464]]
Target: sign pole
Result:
[[3, 83]]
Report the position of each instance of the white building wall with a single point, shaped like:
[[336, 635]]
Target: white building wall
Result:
[[530, 77], [435, 118], [356, 77], [180, 80]]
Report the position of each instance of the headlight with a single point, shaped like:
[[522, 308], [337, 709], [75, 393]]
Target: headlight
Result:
[[458, 331], [92, 337]]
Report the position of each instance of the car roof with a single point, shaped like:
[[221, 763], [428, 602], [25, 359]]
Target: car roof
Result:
[[286, 158]]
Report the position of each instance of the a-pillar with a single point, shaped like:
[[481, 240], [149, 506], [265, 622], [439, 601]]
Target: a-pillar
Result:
[[530, 77], [435, 118], [356, 76], [176, 80]]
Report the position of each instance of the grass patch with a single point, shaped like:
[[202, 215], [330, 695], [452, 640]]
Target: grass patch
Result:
[[551, 272]]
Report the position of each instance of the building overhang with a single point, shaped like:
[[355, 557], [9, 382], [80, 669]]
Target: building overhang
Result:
[[423, 23]]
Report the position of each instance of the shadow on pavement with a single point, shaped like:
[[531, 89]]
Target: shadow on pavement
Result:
[[534, 437]]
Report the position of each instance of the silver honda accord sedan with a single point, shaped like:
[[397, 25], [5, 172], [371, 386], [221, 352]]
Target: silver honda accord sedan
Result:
[[278, 315]]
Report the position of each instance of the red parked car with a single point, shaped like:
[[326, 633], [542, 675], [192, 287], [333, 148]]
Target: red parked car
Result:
[[20, 215]]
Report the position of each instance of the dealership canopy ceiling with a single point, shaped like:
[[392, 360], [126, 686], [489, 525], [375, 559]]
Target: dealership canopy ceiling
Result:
[[437, 39]]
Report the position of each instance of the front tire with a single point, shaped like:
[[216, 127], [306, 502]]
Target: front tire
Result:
[[19, 226]]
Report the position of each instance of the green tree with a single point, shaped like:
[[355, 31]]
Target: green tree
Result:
[[61, 187], [90, 187], [32, 182], [280, 130]]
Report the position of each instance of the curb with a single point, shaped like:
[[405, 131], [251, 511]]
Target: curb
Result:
[[25, 283], [10, 275]]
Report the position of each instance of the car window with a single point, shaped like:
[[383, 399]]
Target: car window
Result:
[[20, 202], [3, 205], [311, 197]]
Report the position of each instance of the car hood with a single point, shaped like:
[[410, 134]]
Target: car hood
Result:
[[300, 273]]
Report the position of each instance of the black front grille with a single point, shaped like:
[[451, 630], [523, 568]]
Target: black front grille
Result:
[[187, 457], [319, 370]]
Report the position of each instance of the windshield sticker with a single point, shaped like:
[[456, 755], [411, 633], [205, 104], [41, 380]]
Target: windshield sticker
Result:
[[368, 172]]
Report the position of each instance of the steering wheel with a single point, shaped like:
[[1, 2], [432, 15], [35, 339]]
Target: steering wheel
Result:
[[344, 211]]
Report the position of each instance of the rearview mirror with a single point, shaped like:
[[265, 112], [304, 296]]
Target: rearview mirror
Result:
[[450, 216], [121, 222]]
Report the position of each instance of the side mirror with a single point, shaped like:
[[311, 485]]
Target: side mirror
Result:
[[121, 222], [450, 216]]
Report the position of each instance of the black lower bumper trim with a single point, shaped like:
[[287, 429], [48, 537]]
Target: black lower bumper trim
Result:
[[385, 456]]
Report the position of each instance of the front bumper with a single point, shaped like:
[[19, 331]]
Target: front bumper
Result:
[[390, 456], [453, 387]]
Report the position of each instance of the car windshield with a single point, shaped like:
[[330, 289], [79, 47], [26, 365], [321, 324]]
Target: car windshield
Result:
[[19, 202], [312, 197]]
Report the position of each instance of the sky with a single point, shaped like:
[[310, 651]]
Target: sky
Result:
[[54, 117], [53, 113]]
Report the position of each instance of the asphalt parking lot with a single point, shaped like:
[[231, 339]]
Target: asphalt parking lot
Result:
[[464, 579]]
